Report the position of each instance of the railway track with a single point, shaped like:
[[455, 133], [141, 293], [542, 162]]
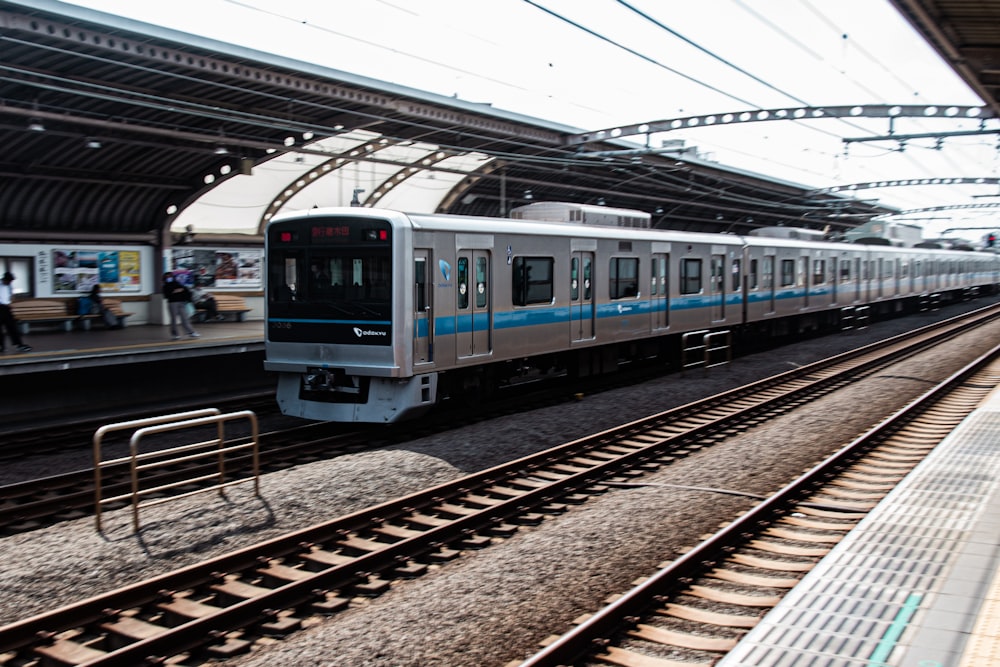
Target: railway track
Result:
[[32, 504], [57, 435], [35, 503], [219, 607], [695, 609]]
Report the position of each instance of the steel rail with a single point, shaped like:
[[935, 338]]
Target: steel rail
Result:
[[590, 635], [542, 478]]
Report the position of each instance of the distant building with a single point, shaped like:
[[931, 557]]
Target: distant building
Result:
[[890, 233], [587, 214]]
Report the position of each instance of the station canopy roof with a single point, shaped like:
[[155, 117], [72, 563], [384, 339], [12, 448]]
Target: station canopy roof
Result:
[[117, 130]]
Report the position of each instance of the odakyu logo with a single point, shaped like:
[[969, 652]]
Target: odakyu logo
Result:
[[361, 333], [445, 269]]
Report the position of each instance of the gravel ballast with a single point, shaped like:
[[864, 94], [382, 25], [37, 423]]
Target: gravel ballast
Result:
[[492, 606]]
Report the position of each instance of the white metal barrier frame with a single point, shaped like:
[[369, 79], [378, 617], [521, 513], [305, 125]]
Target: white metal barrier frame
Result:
[[168, 457], [706, 348], [929, 302], [855, 317]]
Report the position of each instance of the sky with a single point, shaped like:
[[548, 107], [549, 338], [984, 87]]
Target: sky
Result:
[[600, 64]]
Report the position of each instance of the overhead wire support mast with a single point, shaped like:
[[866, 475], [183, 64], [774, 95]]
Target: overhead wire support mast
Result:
[[923, 135]]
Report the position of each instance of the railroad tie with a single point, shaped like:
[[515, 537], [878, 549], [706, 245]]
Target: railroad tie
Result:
[[682, 639], [706, 616], [128, 629], [66, 652], [625, 658]]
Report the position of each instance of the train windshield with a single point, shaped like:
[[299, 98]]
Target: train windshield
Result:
[[330, 269]]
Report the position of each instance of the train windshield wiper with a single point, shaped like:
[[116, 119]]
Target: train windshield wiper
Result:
[[366, 310], [340, 310]]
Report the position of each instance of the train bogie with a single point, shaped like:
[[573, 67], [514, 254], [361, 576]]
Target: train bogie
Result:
[[374, 316]]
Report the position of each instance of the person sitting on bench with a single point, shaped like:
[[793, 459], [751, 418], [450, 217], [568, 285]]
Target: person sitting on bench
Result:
[[204, 301]]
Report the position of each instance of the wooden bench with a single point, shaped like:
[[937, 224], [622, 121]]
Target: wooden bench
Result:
[[59, 312], [42, 311], [226, 304], [114, 305]]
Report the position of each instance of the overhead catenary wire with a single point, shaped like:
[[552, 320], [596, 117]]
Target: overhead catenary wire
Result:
[[919, 165]]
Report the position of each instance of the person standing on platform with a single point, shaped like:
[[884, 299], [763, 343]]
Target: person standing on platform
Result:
[[178, 296], [7, 320]]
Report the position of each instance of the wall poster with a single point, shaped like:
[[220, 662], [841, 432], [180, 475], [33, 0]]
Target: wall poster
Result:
[[218, 268], [79, 270]]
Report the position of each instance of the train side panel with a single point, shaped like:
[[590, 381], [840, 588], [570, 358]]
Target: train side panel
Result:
[[422, 306]]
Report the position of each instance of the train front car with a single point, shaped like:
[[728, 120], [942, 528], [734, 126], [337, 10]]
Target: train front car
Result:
[[336, 334]]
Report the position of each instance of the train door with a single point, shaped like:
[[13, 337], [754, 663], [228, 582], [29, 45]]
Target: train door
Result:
[[751, 283], [659, 290], [423, 318], [736, 284], [802, 280], [717, 287], [834, 278], [768, 282], [858, 278], [473, 310], [581, 294]]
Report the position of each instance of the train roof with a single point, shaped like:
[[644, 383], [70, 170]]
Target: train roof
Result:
[[491, 225]]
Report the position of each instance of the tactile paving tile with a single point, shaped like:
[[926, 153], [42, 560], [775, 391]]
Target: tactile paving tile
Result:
[[905, 587]]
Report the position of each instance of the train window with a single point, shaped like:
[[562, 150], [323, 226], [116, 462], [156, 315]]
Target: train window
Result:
[[623, 277], [574, 279], [588, 268], [767, 276], [845, 271], [420, 284], [690, 282], [717, 263], [462, 277], [787, 272], [480, 282], [752, 276], [660, 269], [737, 276], [531, 280], [819, 271]]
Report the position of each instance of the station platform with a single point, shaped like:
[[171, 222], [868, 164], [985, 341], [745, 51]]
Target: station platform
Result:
[[915, 584], [99, 347]]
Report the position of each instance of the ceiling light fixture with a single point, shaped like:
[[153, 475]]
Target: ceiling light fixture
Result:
[[35, 125], [93, 143]]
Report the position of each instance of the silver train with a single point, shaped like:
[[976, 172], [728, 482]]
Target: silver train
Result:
[[376, 315]]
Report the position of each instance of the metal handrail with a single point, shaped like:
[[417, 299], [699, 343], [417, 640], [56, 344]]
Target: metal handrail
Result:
[[141, 462], [687, 349], [712, 348], [99, 465]]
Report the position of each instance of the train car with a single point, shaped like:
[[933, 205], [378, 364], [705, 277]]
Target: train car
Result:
[[376, 315]]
